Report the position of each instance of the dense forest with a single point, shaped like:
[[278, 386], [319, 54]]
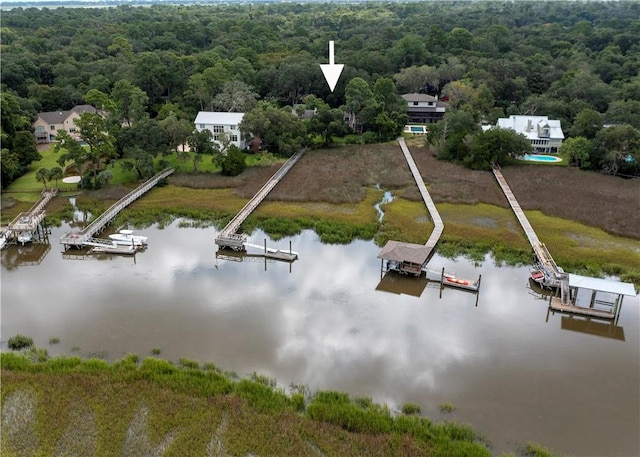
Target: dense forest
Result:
[[153, 68]]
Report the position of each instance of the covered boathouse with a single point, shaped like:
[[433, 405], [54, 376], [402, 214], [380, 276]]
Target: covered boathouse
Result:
[[594, 297], [407, 258]]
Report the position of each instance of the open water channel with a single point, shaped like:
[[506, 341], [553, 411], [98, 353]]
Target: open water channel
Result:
[[512, 371]]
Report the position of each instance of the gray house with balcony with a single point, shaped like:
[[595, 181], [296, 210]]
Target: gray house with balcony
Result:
[[424, 109]]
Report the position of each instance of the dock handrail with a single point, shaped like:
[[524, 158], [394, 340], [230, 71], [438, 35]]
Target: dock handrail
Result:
[[438, 225], [229, 231], [98, 223]]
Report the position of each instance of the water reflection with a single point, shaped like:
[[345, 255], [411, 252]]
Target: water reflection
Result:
[[509, 372], [31, 254]]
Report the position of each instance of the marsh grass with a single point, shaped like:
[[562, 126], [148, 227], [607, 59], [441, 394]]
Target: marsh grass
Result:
[[446, 407], [332, 191], [536, 450], [411, 408], [195, 405], [406, 221]]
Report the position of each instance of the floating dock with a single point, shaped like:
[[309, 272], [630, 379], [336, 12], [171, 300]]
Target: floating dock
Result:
[[228, 237], [85, 236]]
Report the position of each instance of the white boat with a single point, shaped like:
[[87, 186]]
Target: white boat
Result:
[[25, 237], [126, 237]]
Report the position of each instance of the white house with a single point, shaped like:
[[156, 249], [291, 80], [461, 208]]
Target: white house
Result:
[[219, 122], [48, 123], [544, 134]]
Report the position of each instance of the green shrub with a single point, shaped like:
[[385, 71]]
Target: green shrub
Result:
[[18, 342], [155, 351], [54, 340], [233, 163]]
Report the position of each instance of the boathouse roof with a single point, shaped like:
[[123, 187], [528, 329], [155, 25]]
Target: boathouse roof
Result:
[[405, 252], [602, 285]]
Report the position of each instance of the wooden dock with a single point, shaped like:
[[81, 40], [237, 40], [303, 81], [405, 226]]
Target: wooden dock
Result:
[[408, 257], [228, 237], [433, 211], [28, 221], [556, 277], [80, 239], [569, 285], [555, 304]]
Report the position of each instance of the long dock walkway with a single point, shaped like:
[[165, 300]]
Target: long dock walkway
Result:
[[433, 211], [555, 276], [86, 236], [412, 258], [28, 221], [229, 237]]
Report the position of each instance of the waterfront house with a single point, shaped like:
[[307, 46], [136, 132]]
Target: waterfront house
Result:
[[220, 122], [544, 134], [49, 123], [424, 109]]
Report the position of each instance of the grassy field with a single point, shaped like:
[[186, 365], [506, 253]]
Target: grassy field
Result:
[[589, 221], [69, 406]]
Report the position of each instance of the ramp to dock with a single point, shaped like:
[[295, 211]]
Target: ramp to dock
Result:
[[228, 236], [555, 276], [79, 239]]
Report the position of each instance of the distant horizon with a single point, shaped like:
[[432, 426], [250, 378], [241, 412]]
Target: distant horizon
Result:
[[15, 2]]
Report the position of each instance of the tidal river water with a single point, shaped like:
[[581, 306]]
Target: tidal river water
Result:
[[511, 370]]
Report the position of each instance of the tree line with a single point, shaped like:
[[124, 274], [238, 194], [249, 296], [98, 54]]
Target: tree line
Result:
[[566, 60]]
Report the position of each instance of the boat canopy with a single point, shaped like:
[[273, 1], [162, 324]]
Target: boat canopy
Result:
[[405, 252], [602, 285]]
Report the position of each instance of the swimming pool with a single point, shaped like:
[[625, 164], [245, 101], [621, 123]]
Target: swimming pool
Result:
[[541, 158]]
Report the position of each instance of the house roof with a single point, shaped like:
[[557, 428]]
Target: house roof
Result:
[[404, 252], [602, 285], [528, 125], [218, 118], [58, 117], [419, 98]]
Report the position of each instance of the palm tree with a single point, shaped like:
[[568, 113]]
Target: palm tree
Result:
[[55, 173], [104, 176], [42, 175]]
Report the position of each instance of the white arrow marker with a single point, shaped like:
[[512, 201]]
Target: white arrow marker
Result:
[[331, 70]]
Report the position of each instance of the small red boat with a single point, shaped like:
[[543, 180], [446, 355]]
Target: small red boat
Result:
[[458, 282], [537, 276]]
